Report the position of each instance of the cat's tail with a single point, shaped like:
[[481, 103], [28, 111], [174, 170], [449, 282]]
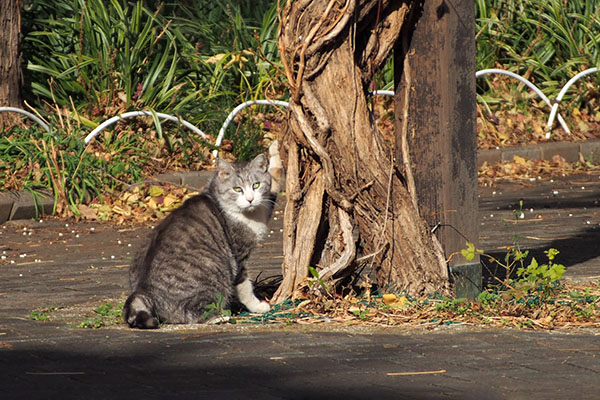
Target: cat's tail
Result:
[[138, 311]]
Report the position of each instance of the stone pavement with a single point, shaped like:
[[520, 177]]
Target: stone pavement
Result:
[[46, 361], [77, 266]]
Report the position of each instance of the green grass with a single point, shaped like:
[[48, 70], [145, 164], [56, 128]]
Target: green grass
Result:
[[86, 61], [547, 41]]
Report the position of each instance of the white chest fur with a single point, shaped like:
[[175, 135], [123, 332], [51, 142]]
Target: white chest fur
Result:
[[256, 220]]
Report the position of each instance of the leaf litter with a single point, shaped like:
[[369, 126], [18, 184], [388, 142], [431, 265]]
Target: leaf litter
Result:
[[146, 202]]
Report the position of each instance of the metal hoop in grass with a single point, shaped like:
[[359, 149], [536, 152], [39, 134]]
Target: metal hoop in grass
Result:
[[239, 108], [562, 93], [280, 103], [531, 86], [28, 114], [132, 114]]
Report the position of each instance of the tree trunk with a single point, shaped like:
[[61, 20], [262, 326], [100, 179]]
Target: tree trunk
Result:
[[10, 61], [341, 175]]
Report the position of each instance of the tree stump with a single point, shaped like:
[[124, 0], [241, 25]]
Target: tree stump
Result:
[[341, 174], [10, 61]]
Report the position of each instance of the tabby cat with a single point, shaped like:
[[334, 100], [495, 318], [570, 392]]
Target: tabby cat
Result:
[[197, 255]]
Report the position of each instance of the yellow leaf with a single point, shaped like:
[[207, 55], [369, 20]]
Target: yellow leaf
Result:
[[389, 298], [402, 301], [520, 160], [130, 198], [169, 200], [152, 204], [120, 211], [394, 301], [583, 127], [215, 59], [156, 191]]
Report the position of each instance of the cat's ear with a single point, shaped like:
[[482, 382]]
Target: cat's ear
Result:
[[224, 169], [260, 163]]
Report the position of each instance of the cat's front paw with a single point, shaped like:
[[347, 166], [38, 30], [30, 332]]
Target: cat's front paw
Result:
[[275, 168], [260, 307]]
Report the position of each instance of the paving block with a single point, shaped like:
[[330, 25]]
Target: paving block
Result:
[[7, 199], [567, 150], [28, 205], [590, 151]]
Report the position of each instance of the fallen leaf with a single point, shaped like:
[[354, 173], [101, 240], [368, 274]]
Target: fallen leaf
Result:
[[87, 212], [389, 298], [156, 191], [520, 160]]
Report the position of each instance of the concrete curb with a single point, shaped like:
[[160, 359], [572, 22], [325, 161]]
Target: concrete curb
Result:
[[22, 205], [545, 151]]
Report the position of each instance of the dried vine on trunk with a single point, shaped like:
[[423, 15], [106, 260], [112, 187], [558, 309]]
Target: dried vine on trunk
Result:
[[341, 177]]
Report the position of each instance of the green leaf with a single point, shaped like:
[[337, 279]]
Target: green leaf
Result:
[[470, 252], [156, 191]]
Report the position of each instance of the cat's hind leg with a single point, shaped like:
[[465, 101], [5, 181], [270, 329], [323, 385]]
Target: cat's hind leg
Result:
[[246, 295]]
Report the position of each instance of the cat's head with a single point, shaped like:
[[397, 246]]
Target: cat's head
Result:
[[242, 187]]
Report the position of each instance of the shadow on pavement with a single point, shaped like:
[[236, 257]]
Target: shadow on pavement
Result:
[[183, 372]]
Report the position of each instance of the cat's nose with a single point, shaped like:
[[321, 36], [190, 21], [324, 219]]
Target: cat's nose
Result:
[[249, 198]]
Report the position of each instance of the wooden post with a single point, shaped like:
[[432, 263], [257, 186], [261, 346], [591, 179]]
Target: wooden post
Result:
[[436, 123]]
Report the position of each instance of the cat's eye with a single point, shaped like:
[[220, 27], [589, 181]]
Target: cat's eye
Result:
[[237, 189], [256, 185]]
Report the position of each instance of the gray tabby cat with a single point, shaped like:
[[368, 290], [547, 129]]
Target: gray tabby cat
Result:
[[199, 251]]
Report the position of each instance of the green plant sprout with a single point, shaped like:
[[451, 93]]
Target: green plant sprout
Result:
[[41, 314], [316, 278], [216, 309], [106, 314]]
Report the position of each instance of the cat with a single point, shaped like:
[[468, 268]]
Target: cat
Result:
[[196, 256]]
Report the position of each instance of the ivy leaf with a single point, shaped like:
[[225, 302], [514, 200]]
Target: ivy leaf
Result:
[[470, 252]]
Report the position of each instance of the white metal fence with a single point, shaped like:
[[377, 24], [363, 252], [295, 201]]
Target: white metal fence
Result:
[[552, 104]]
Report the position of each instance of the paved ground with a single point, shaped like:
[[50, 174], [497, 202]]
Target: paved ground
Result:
[[79, 266]]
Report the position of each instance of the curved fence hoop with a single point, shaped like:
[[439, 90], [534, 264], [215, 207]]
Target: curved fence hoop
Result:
[[529, 85], [382, 92], [239, 108], [563, 91], [28, 114], [132, 114], [280, 103]]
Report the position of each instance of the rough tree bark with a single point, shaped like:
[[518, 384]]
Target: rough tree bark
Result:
[[10, 61], [341, 177]]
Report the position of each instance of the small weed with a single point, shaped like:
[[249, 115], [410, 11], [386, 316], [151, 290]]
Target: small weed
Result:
[[527, 324], [584, 312], [542, 278], [316, 278], [106, 314], [42, 314], [487, 297], [217, 309], [361, 314], [92, 322], [457, 306]]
